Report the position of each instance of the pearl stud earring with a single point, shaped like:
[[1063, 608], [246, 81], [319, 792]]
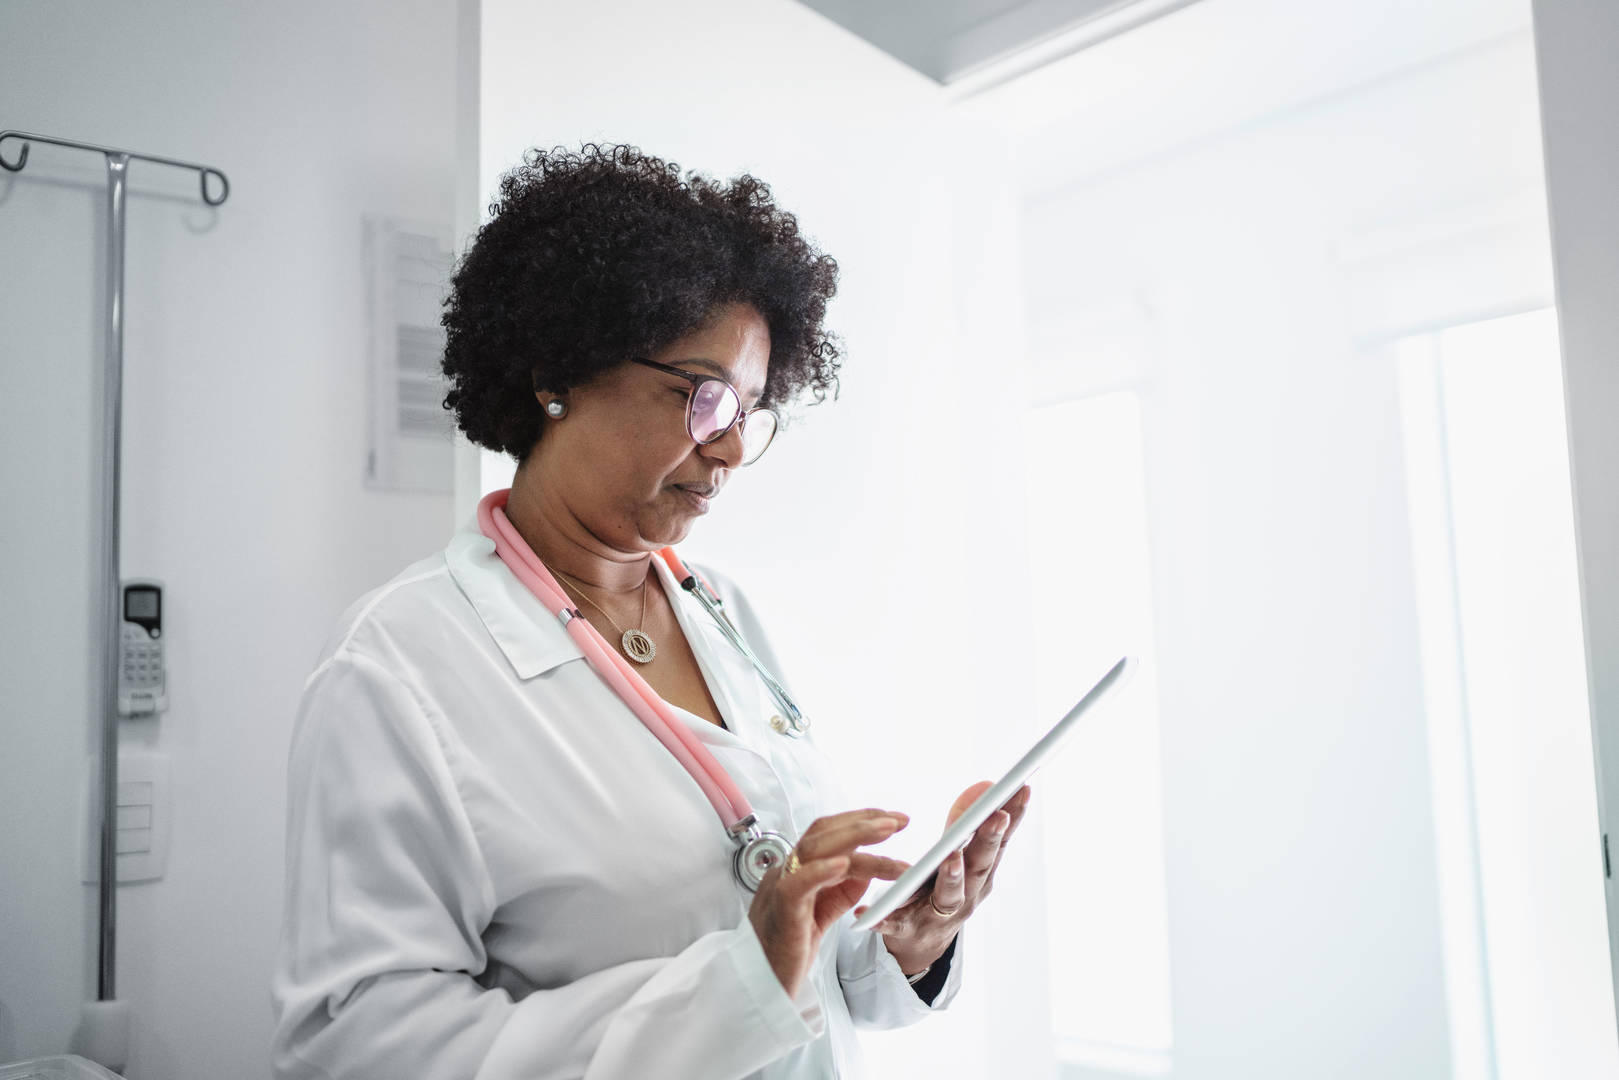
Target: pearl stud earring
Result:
[[556, 409]]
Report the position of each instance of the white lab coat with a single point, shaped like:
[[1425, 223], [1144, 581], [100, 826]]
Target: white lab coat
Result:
[[494, 871]]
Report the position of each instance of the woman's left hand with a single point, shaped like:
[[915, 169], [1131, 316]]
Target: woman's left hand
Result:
[[918, 933]]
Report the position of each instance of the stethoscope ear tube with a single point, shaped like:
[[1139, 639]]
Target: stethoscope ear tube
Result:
[[797, 725]]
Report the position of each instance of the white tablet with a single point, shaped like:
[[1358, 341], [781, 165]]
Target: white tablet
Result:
[[957, 835]]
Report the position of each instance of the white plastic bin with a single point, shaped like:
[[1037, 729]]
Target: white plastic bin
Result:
[[62, 1067]]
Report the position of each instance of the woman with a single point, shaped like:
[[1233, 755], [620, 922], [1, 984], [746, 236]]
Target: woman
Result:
[[495, 869]]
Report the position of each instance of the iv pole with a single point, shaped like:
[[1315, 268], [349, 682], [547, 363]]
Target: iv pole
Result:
[[106, 1028]]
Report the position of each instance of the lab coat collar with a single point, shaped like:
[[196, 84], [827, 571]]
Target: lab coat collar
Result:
[[534, 642], [531, 638]]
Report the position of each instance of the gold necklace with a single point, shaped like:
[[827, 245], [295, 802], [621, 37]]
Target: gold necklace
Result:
[[635, 643]]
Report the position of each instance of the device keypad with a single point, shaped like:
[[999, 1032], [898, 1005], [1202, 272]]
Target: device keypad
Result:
[[143, 659]]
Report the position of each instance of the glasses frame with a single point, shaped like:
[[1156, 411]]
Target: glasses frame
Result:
[[697, 379]]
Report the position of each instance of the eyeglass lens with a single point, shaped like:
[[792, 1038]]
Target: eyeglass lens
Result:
[[715, 407], [758, 428]]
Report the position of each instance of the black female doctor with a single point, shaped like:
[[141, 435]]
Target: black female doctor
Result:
[[454, 908]]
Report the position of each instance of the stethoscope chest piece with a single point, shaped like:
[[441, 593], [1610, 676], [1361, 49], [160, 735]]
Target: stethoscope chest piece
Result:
[[758, 852]]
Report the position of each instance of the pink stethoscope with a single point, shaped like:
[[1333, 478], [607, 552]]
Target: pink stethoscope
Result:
[[757, 849]]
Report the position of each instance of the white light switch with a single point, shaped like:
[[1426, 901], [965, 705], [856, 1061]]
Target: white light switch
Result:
[[142, 837], [134, 817], [132, 792]]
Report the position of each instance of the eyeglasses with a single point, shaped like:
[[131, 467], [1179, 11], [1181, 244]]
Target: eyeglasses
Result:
[[714, 407]]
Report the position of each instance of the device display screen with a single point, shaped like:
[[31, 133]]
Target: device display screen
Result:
[[140, 604]]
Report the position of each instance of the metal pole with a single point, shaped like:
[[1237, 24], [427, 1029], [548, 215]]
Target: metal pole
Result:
[[108, 1028], [111, 617]]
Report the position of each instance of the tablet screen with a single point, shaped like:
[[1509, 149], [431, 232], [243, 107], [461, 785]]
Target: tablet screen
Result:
[[961, 831]]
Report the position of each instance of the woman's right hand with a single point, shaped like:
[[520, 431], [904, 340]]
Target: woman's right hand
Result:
[[792, 911]]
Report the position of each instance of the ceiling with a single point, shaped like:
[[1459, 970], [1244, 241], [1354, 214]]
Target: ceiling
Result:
[[949, 39]]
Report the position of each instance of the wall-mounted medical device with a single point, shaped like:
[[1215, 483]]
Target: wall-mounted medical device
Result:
[[412, 438], [142, 674]]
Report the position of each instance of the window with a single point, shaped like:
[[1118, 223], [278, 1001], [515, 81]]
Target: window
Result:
[[1101, 800], [1504, 672]]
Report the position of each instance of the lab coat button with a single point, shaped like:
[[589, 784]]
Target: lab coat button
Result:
[[779, 724]]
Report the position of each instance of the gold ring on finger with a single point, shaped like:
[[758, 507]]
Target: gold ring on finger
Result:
[[792, 863], [941, 911]]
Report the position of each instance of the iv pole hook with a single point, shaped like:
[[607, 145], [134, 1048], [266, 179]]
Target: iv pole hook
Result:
[[205, 171]]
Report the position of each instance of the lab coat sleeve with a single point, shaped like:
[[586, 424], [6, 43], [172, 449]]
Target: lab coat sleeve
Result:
[[875, 988], [387, 898]]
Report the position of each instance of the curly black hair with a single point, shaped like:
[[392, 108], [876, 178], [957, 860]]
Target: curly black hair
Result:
[[596, 256]]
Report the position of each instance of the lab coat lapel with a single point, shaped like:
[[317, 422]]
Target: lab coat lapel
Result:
[[531, 638]]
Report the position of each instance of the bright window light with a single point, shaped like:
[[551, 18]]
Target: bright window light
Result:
[[1509, 728], [1101, 800]]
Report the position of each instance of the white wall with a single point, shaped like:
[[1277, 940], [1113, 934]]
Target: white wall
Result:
[[243, 460], [1576, 41], [853, 531]]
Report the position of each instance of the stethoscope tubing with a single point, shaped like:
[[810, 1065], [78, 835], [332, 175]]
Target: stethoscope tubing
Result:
[[699, 588], [728, 801]]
